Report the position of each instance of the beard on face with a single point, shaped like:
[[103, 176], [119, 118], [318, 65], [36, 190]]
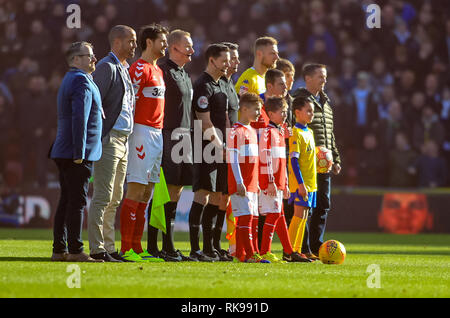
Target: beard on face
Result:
[[162, 52], [131, 53], [268, 64]]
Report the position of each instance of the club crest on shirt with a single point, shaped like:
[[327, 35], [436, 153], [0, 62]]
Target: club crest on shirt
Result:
[[243, 90]]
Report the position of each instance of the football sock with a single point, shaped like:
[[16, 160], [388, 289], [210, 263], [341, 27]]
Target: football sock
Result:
[[255, 226], [268, 230], [195, 215], [239, 252], [170, 209], [282, 231], [127, 223], [217, 231], [208, 218], [259, 230], [300, 234], [152, 233], [294, 229], [288, 210], [306, 249], [245, 237], [139, 228]]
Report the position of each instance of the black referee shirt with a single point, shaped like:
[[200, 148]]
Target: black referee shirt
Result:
[[233, 100], [212, 97], [290, 120], [178, 96]]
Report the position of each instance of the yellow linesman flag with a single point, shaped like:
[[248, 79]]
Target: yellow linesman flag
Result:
[[160, 197], [231, 230]]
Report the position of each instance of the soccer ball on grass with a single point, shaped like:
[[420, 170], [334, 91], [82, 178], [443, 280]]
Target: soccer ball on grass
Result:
[[332, 252]]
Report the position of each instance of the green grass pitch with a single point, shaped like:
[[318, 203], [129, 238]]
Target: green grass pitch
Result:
[[405, 266]]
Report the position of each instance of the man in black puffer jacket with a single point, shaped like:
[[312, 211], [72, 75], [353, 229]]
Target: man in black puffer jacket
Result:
[[315, 76]]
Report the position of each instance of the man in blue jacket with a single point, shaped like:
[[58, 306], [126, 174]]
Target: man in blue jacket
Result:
[[77, 145]]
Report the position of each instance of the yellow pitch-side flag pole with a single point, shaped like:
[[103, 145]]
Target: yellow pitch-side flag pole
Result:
[[231, 230], [160, 197]]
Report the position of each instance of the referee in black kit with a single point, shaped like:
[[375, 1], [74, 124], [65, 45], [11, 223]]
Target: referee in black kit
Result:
[[177, 128], [210, 108], [233, 110]]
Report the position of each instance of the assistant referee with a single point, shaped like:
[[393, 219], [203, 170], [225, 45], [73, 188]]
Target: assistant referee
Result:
[[210, 106], [177, 167]]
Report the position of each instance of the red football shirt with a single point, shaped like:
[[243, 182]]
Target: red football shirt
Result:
[[243, 139], [272, 157], [149, 87]]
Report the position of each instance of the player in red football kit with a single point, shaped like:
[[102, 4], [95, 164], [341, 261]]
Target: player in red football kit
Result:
[[243, 176], [146, 142], [272, 172], [275, 86], [273, 181]]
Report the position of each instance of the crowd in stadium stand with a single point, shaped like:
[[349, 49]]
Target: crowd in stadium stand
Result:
[[389, 86]]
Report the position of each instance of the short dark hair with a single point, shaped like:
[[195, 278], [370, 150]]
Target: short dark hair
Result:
[[231, 46], [118, 32], [285, 65], [299, 102], [275, 103], [272, 75], [74, 49], [214, 51], [310, 69], [249, 99], [151, 31]]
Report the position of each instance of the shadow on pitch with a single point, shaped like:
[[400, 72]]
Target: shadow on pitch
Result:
[[429, 253], [24, 259]]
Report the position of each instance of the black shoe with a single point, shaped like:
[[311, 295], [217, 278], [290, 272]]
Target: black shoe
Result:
[[156, 253], [198, 256], [295, 257], [184, 258], [214, 255], [224, 256], [170, 256], [117, 256], [106, 257]]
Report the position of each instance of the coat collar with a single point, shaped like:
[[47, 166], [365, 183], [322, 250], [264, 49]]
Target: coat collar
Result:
[[76, 69], [116, 60], [304, 92]]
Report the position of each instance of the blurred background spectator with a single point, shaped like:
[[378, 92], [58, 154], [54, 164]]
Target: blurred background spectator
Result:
[[384, 83], [401, 163], [430, 167], [371, 162]]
